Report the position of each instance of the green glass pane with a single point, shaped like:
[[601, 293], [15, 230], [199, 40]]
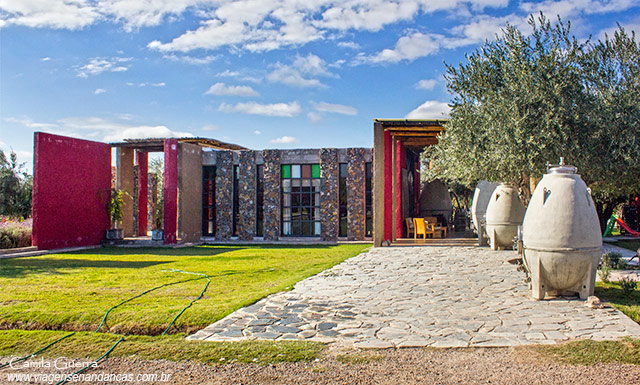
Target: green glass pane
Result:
[[286, 171], [315, 171]]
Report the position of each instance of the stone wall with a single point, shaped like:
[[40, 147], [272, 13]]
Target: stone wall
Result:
[[224, 194], [355, 194], [329, 193], [247, 195], [271, 194]]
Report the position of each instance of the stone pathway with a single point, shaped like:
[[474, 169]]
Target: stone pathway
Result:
[[415, 297]]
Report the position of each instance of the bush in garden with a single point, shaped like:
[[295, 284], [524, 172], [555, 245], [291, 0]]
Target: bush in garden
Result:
[[15, 233]]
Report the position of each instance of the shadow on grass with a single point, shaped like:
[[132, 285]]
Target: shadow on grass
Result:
[[14, 268], [613, 293]]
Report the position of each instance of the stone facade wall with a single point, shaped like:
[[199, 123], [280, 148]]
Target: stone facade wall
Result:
[[224, 194], [329, 193], [271, 194], [356, 194], [247, 195]]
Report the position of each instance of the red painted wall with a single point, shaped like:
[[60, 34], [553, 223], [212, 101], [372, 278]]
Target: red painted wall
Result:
[[388, 186], [71, 188], [143, 186], [401, 162], [170, 187]]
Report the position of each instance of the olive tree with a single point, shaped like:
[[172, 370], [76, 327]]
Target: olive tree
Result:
[[522, 101], [15, 187]]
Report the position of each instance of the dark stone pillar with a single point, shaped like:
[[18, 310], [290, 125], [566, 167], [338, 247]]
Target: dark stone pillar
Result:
[[271, 194], [224, 194], [355, 194], [329, 193], [247, 196]]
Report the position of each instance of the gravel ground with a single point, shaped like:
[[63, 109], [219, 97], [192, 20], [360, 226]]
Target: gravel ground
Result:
[[402, 366]]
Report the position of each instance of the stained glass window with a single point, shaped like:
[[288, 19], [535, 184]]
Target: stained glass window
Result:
[[301, 200]]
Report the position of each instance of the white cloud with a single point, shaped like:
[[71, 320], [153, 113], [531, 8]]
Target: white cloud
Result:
[[257, 132], [426, 84], [431, 109], [160, 84], [628, 28], [135, 14], [284, 140], [29, 123], [569, 8], [96, 128], [45, 58], [99, 91], [141, 132], [409, 47], [98, 65], [223, 89], [56, 14], [240, 76], [349, 44], [278, 109], [210, 127], [314, 117], [335, 108], [303, 72], [191, 59]]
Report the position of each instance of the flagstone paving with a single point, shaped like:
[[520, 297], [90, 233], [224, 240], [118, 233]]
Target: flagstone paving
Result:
[[419, 296]]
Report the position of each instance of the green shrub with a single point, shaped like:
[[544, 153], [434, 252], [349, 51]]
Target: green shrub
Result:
[[628, 285], [611, 259], [604, 272], [14, 233]]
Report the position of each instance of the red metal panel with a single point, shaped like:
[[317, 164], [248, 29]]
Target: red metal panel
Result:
[[170, 187], [416, 188], [401, 162], [71, 188], [143, 186], [388, 186]]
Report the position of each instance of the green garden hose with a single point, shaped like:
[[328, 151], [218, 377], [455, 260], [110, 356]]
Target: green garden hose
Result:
[[66, 379], [36, 352]]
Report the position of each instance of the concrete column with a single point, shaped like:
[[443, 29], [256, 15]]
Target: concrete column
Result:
[[143, 188], [170, 186], [272, 183], [224, 194], [355, 194], [247, 196], [329, 193], [124, 182], [378, 184], [189, 192]]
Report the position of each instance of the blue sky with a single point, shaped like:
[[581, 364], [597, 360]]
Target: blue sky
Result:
[[260, 73]]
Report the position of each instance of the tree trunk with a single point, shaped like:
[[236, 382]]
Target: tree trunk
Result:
[[524, 189]]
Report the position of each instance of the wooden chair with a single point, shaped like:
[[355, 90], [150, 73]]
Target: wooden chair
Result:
[[439, 227], [410, 228], [422, 228]]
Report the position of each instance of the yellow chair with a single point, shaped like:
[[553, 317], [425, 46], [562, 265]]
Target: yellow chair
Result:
[[422, 228]]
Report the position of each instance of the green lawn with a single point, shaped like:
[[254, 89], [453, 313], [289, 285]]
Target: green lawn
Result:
[[612, 293], [628, 244], [174, 348], [73, 291]]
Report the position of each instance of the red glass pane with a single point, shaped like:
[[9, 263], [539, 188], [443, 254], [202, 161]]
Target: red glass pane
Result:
[[306, 171]]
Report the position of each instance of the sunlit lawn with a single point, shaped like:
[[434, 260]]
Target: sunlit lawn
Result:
[[73, 291]]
